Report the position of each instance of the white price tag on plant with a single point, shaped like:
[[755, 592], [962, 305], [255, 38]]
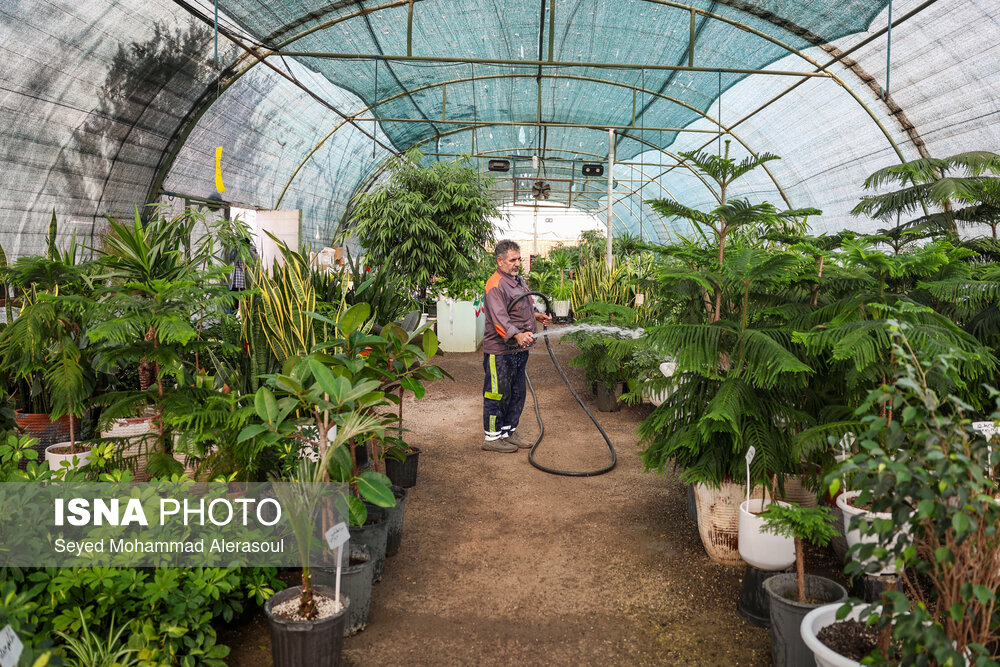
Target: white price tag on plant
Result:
[[337, 535], [10, 647], [752, 452], [988, 429]]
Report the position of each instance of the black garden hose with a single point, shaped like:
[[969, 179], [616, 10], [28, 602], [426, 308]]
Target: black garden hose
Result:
[[538, 414]]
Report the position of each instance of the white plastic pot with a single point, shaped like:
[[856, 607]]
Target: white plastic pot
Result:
[[764, 551], [854, 535], [55, 461], [816, 620], [561, 308]]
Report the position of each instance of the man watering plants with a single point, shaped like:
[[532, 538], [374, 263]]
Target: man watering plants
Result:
[[506, 340]]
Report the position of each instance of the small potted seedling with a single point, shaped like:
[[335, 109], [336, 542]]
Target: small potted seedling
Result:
[[792, 596]]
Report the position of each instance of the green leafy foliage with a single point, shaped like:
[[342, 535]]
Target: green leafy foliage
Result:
[[919, 460], [144, 616], [426, 221], [966, 178], [150, 317], [810, 524]]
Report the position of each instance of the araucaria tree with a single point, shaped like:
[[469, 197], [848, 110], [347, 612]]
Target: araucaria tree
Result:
[[426, 221]]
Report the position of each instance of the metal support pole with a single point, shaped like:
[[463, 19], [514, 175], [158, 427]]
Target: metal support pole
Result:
[[888, 54], [216, 34], [694, 19], [409, 30], [611, 182]]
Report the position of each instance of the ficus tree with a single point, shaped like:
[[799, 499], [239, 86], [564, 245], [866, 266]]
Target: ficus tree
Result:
[[426, 221]]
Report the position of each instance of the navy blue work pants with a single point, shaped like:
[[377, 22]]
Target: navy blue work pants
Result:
[[503, 392]]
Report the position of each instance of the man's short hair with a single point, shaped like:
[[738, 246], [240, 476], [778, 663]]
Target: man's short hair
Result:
[[504, 247]]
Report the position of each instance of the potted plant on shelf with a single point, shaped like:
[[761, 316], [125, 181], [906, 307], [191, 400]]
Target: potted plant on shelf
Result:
[[921, 461], [792, 596], [562, 295], [46, 349], [562, 260]]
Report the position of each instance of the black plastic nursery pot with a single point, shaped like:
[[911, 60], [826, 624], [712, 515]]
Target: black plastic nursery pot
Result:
[[787, 647], [374, 535], [403, 473], [394, 517], [606, 401], [754, 604], [296, 643], [355, 583]]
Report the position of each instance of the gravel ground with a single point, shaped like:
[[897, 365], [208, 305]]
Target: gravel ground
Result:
[[502, 564]]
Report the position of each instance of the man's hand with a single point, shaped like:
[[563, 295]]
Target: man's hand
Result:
[[524, 338], [544, 318]]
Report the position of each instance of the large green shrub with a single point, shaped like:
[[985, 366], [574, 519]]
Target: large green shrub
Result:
[[426, 221], [920, 460]]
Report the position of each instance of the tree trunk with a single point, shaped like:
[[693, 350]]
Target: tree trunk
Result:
[[147, 371], [800, 570]]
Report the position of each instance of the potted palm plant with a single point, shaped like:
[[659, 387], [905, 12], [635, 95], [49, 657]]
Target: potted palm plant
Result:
[[150, 307], [46, 348]]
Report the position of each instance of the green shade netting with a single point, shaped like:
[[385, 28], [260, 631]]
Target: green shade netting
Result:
[[104, 105]]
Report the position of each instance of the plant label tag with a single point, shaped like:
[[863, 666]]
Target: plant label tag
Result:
[[337, 535], [752, 452], [988, 429], [10, 647]]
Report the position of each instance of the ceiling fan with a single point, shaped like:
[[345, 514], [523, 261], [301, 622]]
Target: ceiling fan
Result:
[[540, 189]]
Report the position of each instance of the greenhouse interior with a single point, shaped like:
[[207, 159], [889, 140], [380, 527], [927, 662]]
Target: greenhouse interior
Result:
[[721, 277]]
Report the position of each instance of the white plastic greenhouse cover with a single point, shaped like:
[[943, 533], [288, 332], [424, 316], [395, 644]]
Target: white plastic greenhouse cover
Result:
[[105, 106]]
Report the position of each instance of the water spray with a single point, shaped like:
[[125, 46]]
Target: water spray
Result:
[[538, 414]]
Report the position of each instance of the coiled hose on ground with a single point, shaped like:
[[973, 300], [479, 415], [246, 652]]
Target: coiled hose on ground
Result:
[[538, 413]]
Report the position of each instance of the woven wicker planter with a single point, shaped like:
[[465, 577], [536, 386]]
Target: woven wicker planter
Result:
[[797, 492], [139, 432], [719, 520]]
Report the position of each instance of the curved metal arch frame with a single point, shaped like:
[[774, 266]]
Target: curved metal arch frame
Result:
[[370, 180], [519, 75], [184, 133], [665, 3]]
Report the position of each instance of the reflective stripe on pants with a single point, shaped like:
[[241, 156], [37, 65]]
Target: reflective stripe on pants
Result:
[[504, 391]]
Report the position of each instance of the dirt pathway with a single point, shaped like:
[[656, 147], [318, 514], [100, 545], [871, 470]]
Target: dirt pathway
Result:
[[502, 564]]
